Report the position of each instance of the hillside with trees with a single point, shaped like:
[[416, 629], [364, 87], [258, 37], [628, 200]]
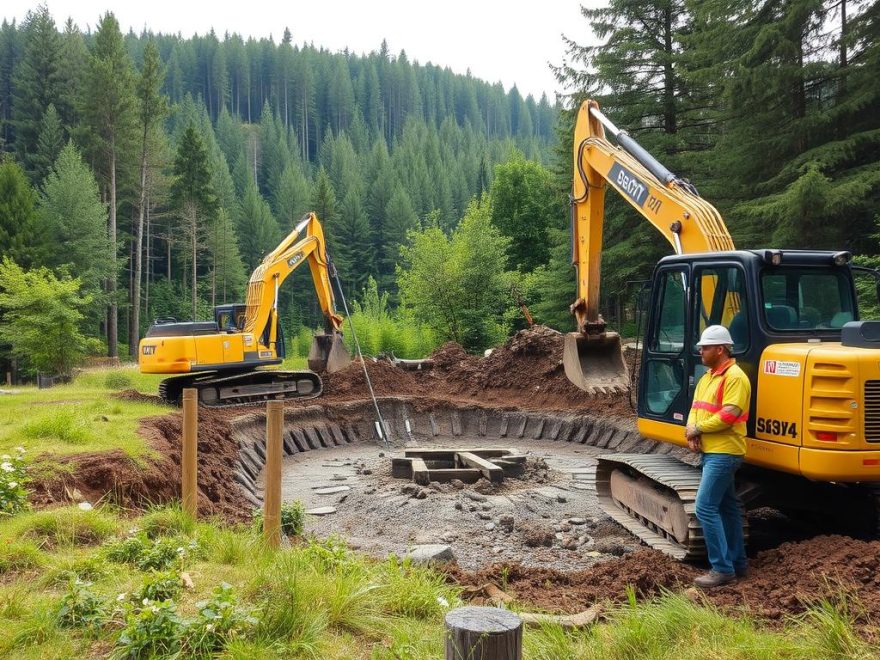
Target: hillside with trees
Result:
[[158, 170]]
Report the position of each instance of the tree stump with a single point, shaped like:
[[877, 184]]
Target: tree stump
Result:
[[483, 633]]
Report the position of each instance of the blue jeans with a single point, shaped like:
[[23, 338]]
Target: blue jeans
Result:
[[719, 513]]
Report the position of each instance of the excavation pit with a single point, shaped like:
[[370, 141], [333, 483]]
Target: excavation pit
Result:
[[543, 512]]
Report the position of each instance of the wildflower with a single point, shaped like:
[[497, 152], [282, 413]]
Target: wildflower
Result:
[[121, 597], [20, 450], [6, 457], [7, 467], [13, 484], [443, 602], [145, 602], [209, 627]]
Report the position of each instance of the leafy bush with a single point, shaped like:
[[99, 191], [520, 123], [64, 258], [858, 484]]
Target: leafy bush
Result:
[[293, 516], [148, 554], [80, 608], [219, 621], [159, 586], [151, 629], [13, 495]]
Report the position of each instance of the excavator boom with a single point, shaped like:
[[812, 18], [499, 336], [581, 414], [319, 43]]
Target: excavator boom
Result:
[[593, 356]]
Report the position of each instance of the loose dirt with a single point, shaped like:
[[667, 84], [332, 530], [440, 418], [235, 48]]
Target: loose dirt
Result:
[[783, 581]]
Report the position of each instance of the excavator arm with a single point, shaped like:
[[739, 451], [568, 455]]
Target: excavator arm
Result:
[[305, 244], [593, 358]]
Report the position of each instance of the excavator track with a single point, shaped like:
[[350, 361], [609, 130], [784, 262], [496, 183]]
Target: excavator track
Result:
[[654, 497], [242, 389]]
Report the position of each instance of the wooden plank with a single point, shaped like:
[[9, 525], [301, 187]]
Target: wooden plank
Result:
[[420, 473], [467, 475], [491, 471]]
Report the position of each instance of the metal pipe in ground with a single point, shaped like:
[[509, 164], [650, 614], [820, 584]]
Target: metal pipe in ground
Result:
[[189, 460], [272, 493]]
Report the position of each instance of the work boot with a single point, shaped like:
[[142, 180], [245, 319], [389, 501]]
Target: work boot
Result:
[[714, 579]]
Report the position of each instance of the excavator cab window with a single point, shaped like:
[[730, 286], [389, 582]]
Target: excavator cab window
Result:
[[721, 300], [664, 365], [806, 298]]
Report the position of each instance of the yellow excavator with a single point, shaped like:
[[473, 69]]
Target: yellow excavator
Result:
[[813, 440], [225, 359]]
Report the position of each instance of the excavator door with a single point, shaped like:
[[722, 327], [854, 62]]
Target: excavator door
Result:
[[595, 363]]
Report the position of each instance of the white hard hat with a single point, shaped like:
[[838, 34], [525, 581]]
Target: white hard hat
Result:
[[715, 335]]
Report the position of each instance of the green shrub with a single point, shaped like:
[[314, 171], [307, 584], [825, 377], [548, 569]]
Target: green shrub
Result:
[[80, 608], [152, 554], [151, 629], [293, 516], [415, 591], [117, 380], [219, 621], [159, 586], [13, 494]]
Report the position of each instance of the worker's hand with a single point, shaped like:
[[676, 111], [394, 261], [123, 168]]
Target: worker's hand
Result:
[[695, 445], [690, 431]]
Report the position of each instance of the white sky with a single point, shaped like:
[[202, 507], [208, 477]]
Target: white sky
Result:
[[511, 42]]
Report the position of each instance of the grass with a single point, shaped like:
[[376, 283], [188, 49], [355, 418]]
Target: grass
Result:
[[81, 416], [321, 600]]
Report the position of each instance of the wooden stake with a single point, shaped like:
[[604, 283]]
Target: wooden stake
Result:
[[189, 478], [272, 493]]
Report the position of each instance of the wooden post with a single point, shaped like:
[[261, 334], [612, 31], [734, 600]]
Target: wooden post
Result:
[[189, 478], [8, 379], [483, 633], [272, 492]]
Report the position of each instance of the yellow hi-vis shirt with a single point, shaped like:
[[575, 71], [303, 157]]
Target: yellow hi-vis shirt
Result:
[[722, 432]]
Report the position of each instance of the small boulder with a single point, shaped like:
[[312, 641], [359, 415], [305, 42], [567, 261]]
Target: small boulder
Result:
[[433, 552]]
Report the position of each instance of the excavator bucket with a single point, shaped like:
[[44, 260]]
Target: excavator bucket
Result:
[[328, 353], [594, 363]]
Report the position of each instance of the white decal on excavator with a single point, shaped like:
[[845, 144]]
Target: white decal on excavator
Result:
[[629, 184]]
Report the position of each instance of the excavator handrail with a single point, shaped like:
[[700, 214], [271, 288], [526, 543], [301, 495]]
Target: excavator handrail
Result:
[[262, 294]]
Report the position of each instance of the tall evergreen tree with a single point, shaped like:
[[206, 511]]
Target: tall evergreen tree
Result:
[[257, 228], [193, 198], [38, 82], [108, 111], [49, 143], [71, 214], [151, 108], [17, 215]]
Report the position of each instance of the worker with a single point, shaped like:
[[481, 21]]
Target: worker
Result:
[[716, 427]]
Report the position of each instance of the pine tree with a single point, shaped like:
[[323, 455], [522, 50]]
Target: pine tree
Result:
[[108, 111], [354, 251], [38, 82], [399, 219], [17, 216], [193, 198], [152, 107], [49, 143], [257, 229], [71, 213], [292, 197], [228, 277]]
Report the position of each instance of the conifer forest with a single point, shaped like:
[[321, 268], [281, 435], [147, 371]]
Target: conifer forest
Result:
[[146, 175]]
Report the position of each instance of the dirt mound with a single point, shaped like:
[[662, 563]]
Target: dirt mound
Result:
[[116, 477], [526, 371], [783, 581], [140, 397], [386, 379]]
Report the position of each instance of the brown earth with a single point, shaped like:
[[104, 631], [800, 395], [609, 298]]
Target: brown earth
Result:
[[155, 479], [783, 581]]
